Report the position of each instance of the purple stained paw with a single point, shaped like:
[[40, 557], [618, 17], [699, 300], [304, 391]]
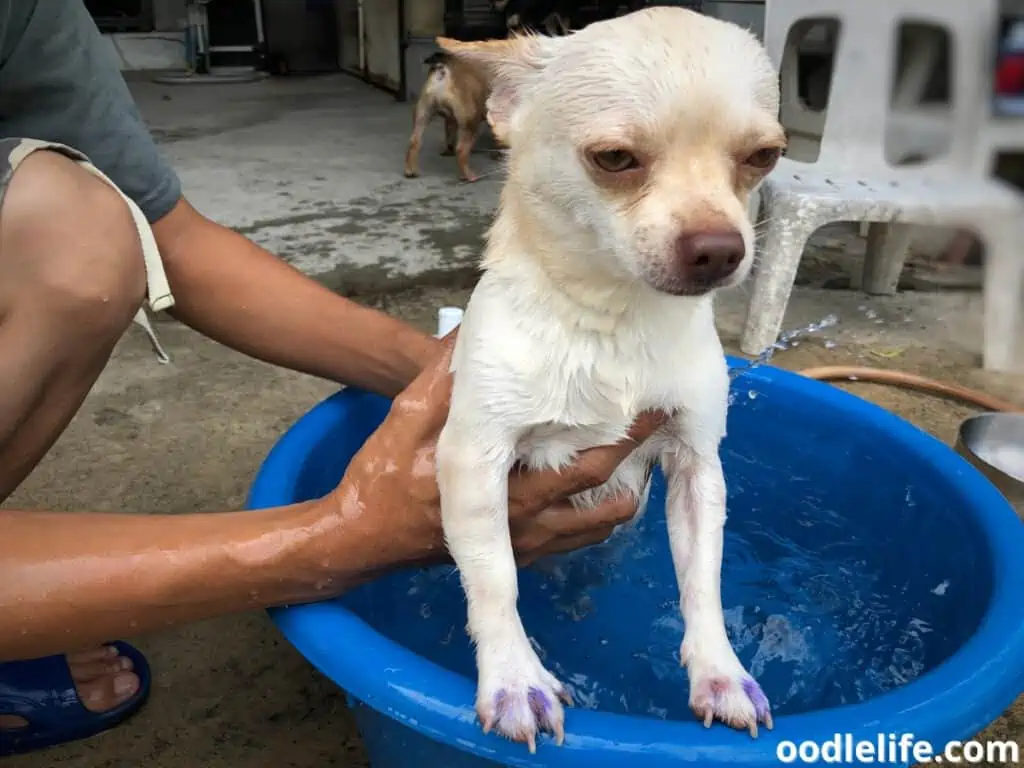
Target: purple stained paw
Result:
[[739, 704], [762, 708], [539, 703], [520, 715]]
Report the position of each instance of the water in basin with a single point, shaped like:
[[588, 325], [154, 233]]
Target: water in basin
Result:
[[844, 577]]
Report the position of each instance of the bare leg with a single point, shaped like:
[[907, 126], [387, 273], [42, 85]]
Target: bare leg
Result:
[[412, 154], [463, 147], [72, 277], [450, 134]]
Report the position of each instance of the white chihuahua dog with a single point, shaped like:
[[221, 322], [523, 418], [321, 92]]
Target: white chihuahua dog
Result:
[[633, 147]]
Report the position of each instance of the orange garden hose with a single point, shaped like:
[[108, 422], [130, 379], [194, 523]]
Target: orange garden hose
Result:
[[909, 381]]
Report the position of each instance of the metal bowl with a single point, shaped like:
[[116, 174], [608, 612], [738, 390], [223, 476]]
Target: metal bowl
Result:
[[994, 443]]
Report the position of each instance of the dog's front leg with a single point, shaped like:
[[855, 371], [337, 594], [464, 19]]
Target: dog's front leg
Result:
[[516, 695], [720, 688]]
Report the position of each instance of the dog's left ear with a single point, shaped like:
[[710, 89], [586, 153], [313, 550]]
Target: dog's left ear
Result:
[[511, 64]]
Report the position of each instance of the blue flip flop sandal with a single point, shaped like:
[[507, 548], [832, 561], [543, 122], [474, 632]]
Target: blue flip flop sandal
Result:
[[43, 693]]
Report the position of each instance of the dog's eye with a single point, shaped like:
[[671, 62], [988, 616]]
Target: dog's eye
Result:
[[615, 160], [763, 158]]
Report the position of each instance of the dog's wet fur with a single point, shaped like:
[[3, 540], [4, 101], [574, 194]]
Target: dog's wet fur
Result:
[[633, 147]]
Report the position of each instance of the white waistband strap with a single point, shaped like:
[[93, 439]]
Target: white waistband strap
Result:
[[160, 296], [158, 289]]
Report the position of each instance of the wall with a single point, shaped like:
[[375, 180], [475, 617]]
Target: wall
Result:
[[161, 49], [424, 20], [383, 48], [148, 51], [301, 37], [746, 13], [168, 15]]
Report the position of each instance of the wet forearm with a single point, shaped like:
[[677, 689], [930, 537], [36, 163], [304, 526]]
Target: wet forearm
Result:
[[78, 579], [235, 292]]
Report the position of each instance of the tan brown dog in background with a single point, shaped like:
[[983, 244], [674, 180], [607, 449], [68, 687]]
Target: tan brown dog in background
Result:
[[457, 91]]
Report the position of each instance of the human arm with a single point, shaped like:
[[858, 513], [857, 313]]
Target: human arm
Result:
[[233, 291], [72, 580]]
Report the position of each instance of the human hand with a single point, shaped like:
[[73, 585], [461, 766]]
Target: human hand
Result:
[[391, 484]]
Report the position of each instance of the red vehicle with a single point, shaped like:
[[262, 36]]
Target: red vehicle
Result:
[[1009, 72]]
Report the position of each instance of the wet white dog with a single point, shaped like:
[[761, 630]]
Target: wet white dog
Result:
[[633, 147]]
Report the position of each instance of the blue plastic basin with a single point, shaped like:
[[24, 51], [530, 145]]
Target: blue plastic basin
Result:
[[872, 581]]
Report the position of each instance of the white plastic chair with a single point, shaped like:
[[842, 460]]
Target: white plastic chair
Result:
[[913, 129], [851, 180]]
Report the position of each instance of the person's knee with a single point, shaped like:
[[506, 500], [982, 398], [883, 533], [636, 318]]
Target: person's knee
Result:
[[68, 243]]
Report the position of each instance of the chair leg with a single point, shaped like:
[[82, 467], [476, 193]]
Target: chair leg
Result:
[[1004, 298], [886, 254], [782, 248]]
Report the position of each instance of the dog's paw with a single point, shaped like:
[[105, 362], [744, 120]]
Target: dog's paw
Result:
[[722, 689], [727, 693], [411, 173], [520, 706]]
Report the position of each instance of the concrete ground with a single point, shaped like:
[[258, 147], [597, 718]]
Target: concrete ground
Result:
[[312, 170]]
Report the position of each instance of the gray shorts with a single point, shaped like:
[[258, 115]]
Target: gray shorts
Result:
[[158, 292]]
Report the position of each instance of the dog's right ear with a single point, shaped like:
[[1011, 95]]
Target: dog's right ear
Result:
[[511, 64]]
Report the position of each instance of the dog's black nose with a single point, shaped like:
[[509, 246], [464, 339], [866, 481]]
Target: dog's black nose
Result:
[[706, 258]]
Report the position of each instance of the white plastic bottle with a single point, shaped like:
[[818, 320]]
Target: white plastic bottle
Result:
[[448, 318]]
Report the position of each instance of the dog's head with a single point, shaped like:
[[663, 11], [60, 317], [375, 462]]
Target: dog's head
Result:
[[636, 142]]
